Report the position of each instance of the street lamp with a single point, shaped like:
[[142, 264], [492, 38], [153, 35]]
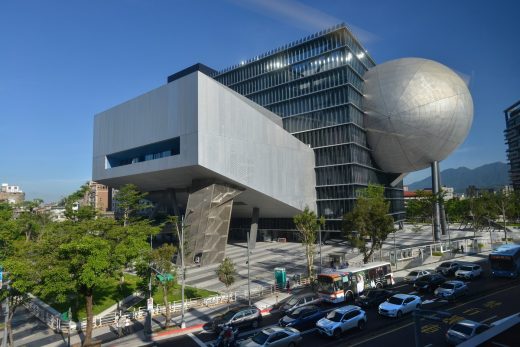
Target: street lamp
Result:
[[183, 269], [148, 324], [248, 275]]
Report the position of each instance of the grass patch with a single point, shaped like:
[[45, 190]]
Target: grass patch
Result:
[[104, 297], [111, 293]]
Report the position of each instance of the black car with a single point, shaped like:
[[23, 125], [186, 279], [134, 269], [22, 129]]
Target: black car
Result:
[[448, 268], [238, 318], [374, 297], [302, 317], [429, 282]]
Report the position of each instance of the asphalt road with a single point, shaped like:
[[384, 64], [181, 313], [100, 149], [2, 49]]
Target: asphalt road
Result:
[[488, 300]]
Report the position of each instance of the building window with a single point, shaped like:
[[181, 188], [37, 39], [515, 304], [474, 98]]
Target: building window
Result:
[[152, 151]]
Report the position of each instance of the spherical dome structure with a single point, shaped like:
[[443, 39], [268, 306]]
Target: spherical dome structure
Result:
[[417, 111]]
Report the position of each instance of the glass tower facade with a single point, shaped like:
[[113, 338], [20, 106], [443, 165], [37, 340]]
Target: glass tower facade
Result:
[[512, 135], [316, 86]]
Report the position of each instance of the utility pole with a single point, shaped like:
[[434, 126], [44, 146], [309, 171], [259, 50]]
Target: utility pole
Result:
[[319, 240], [183, 271], [148, 325], [248, 274], [68, 330]]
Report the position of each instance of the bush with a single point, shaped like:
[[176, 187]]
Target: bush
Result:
[[437, 254], [480, 246]]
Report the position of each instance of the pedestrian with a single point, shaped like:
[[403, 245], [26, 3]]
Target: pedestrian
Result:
[[288, 287], [461, 248], [119, 327], [128, 326]]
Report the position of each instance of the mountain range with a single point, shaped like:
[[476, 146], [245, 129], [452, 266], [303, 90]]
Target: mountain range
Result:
[[485, 176]]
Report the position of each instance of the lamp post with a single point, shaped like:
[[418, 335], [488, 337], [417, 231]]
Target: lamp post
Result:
[[319, 240], [148, 324], [395, 252], [248, 275], [183, 268]]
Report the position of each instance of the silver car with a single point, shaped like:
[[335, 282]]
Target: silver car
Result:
[[274, 337], [468, 271], [464, 330], [413, 275], [451, 290], [342, 319]]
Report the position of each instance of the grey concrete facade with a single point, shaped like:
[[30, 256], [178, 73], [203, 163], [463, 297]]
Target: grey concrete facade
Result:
[[224, 137]]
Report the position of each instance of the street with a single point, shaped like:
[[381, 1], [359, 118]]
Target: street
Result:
[[488, 300]]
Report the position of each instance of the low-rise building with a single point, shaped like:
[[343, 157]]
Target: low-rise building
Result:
[[11, 194]]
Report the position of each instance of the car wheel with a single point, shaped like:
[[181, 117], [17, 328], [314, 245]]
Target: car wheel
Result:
[[399, 314], [255, 323], [337, 333], [361, 325], [379, 285], [349, 297], [292, 344]]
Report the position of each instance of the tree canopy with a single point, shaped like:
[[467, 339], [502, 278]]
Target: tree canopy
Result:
[[368, 225], [307, 223]]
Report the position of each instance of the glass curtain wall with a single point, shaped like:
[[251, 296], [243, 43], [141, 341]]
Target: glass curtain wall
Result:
[[315, 85]]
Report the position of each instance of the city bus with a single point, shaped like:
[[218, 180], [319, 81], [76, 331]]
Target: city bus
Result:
[[338, 285], [505, 261]]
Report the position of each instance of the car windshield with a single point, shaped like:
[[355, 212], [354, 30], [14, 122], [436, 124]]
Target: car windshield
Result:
[[462, 328], [445, 265], [293, 300], [296, 313], [260, 338], [447, 286], [334, 316], [229, 315], [328, 285], [413, 273], [465, 268], [425, 278], [395, 301]]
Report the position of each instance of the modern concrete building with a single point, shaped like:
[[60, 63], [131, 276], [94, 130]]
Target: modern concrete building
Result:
[[512, 135], [248, 147], [206, 152]]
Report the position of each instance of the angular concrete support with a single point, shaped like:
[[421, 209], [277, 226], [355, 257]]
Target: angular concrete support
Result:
[[436, 207], [442, 216], [207, 220], [254, 228]]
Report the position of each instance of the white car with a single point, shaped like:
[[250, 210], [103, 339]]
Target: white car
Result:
[[273, 337], [468, 271], [413, 275], [451, 290], [342, 319], [399, 304]]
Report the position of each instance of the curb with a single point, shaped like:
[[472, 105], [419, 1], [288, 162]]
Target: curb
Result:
[[194, 328]]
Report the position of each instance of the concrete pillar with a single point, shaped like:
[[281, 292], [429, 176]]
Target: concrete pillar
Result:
[[254, 228], [436, 205]]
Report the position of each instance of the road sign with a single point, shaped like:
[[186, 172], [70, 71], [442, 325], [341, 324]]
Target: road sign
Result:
[[149, 304]]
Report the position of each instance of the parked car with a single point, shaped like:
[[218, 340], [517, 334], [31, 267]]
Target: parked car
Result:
[[468, 271], [413, 275], [238, 318], [342, 319], [298, 301], [463, 330], [429, 282], [451, 290], [399, 304], [302, 317], [374, 297], [274, 337], [448, 268]]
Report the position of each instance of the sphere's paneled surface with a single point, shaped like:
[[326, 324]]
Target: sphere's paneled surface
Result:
[[417, 111]]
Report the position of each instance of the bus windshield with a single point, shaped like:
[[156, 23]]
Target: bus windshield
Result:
[[328, 284], [502, 263]]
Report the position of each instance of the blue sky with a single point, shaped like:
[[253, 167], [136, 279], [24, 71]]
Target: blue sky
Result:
[[61, 62]]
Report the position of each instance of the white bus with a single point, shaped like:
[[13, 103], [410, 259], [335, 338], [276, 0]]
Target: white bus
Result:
[[338, 285]]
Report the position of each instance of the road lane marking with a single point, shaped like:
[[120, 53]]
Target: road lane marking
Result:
[[453, 319], [197, 340], [472, 311], [492, 304], [430, 328], [490, 318], [451, 308]]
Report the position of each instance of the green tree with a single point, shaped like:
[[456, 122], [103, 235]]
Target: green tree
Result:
[[369, 221], [226, 273], [162, 262], [129, 201], [307, 223]]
